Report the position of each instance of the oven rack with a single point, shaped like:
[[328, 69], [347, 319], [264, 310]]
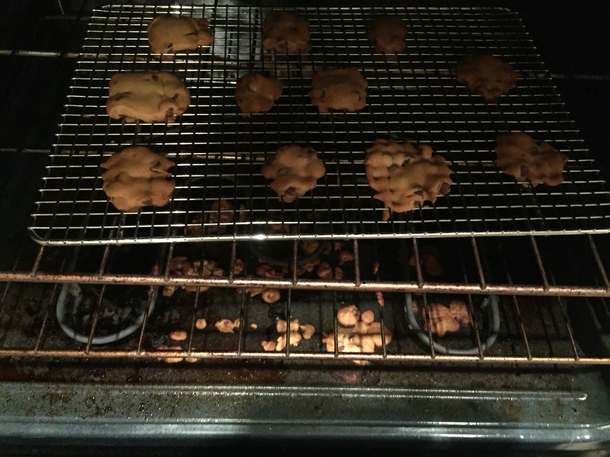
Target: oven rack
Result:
[[549, 259], [219, 153], [536, 320]]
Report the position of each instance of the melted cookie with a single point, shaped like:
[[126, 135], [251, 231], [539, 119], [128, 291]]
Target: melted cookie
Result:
[[168, 34], [294, 171], [405, 176], [257, 94], [487, 76], [338, 89], [387, 35], [286, 32], [148, 97], [137, 177], [530, 163]]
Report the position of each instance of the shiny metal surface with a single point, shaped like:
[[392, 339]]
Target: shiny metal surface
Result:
[[597, 279], [219, 153]]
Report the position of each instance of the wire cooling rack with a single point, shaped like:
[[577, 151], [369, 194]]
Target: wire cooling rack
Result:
[[219, 153]]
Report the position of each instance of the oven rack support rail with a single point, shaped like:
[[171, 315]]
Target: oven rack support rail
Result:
[[218, 153], [597, 280]]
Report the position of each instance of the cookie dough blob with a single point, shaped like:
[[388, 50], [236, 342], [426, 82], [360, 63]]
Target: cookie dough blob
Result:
[[256, 93], [405, 176], [293, 171], [338, 89], [169, 34], [388, 34], [529, 162], [285, 32], [486, 75], [137, 177], [147, 96]]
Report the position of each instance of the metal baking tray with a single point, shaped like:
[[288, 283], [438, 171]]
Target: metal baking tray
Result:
[[219, 153]]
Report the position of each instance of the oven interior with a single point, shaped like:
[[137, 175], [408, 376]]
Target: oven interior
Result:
[[85, 305]]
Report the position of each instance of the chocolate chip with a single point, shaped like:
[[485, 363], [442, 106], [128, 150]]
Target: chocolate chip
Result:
[[291, 191], [155, 77], [445, 188], [318, 93], [524, 170]]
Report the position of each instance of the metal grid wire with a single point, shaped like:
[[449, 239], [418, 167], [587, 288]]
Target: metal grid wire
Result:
[[543, 267], [517, 330], [219, 153]]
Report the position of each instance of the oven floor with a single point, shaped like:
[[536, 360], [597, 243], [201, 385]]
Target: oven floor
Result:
[[70, 399], [405, 403]]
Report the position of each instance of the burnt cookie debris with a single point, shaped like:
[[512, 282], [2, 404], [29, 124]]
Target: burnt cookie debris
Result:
[[486, 75], [442, 319], [256, 93], [357, 332], [388, 34], [217, 219], [529, 162], [137, 177], [147, 96], [338, 89], [405, 176], [182, 266], [293, 171], [169, 34], [285, 32]]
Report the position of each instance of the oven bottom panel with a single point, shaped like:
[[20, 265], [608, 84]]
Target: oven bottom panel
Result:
[[545, 408]]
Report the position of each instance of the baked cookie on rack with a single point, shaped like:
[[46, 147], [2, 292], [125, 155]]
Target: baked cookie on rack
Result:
[[338, 89], [137, 177], [405, 176], [388, 34], [286, 32], [486, 75], [256, 93], [293, 171], [147, 96], [529, 162], [170, 34]]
